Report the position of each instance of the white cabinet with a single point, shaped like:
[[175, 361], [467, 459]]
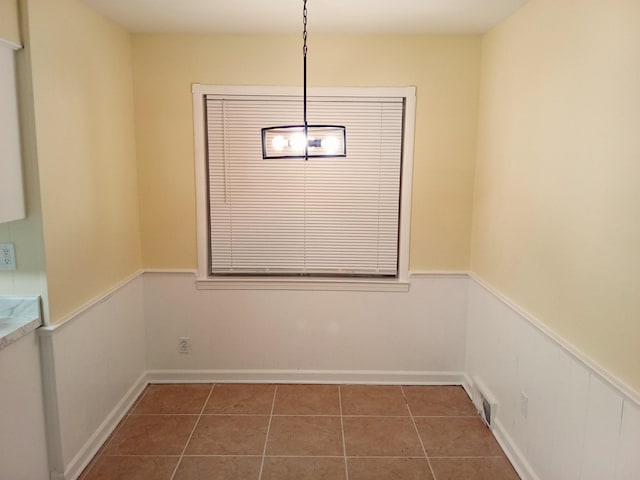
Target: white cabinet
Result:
[[11, 185]]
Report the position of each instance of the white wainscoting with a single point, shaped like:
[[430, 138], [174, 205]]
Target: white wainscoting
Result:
[[23, 450], [580, 424], [306, 336], [93, 368]]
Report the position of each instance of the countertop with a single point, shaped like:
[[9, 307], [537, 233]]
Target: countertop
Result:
[[19, 315]]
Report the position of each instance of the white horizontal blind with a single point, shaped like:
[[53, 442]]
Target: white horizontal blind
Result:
[[324, 216]]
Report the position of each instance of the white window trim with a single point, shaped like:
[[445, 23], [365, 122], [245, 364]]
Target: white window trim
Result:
[[204, 281]]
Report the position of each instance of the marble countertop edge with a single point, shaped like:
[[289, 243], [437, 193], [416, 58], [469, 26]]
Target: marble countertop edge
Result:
[[19, 316]]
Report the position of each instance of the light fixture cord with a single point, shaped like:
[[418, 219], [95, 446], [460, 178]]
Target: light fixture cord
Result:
[[304, 55]]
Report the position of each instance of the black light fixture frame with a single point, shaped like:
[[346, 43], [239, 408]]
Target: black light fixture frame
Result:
[[305, 127]]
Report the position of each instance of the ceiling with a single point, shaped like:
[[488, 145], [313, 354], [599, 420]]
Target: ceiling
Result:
[[325, 16]]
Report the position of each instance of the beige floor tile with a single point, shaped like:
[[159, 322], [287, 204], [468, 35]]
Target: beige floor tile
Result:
[[439, 401], [306, 435], [152, 435], [457, 437], [132, 468], [381, 436], [389, 468], [229, 435], [488, 468], [372, 400], [219, 468], [307, 468], [178, 399], [305, 438], [241, 399], [307, 400]]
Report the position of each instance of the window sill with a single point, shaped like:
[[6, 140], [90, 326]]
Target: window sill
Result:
[[288, 283]]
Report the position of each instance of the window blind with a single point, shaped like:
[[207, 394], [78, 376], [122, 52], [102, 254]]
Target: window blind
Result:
[[324, 216]]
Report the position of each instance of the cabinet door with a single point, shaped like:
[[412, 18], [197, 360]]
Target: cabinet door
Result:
[[11, 187]]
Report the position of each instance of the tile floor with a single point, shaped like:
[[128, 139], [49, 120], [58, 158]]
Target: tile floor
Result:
[[301, 432]]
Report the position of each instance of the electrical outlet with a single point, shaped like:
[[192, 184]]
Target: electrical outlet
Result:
[[184, 345], [7, 256], [524, 405]]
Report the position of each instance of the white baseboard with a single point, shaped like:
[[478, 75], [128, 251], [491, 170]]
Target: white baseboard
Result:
[[467, 384], [509, 447], [91, 447], [306, 376], [513, 453]]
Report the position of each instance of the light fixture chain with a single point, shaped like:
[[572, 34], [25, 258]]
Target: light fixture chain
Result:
[[304, 55], [287, 141], [304, 31]]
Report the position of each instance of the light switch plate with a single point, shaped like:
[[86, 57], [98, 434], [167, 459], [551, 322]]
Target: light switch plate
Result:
[[7, 256]]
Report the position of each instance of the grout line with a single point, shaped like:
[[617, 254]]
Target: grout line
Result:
[[375, 416], [274, 415], [471, 456], [445, 416], [307, 414], [233, 455], [305, 456], [421, 457], [169, 415], [266, 438], [193, 430], [335, 415], [413, 421], [144, 455], [344, 443]]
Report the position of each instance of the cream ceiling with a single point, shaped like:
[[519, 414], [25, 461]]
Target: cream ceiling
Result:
[[325, 16]]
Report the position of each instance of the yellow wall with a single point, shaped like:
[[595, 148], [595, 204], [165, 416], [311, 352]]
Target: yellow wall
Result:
[[83, 101], [556, 211], [556, 224], [9, 25], [445, 70]]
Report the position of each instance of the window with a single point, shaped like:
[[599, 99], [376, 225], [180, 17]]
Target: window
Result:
[[341, 219]]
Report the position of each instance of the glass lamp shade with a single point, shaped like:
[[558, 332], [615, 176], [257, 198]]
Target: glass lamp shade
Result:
[[290, 141]]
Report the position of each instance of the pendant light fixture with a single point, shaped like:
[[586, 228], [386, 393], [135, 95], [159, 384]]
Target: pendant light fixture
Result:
[[304, 141]]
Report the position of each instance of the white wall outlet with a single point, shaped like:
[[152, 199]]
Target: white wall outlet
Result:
[[524, 405], [184, 345], [7, 256]]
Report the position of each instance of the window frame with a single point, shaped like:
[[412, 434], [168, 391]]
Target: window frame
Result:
[[205, 281]]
